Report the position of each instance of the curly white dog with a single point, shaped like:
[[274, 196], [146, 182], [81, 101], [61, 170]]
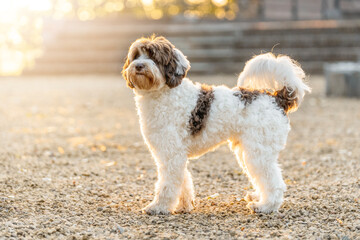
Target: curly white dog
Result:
[[180, 120]]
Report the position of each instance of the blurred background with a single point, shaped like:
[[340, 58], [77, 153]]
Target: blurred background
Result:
[[73, 162], [59, 37]]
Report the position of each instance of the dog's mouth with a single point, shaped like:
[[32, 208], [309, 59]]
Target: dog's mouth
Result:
[[140, 73]]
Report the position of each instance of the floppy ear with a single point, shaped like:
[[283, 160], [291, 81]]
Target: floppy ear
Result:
[[177, 68], [124, 73]]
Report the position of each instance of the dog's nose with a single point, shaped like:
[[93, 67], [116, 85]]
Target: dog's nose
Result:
[[139, 66]]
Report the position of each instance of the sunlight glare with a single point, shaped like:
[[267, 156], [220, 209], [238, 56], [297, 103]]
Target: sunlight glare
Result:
[[14, 61], [85, 15], [173, 10], [194, 1], [220, 13], [33, 5], [156, 14], [114, 6], [14, 36], [62, 7], [147, 3], [219, 3], [9, 10], [39, 5]]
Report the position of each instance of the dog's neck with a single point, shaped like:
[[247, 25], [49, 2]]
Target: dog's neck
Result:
[[155, 93], [149, 99], [150, 93]]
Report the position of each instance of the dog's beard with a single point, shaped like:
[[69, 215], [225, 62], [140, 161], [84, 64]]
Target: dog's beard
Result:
[[145, 80]]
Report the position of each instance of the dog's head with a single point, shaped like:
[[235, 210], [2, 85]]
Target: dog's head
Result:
[[153, 63]]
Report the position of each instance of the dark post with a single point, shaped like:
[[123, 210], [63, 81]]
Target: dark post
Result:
[[295, 9], [337, 11], [261, 9], [324, 9]]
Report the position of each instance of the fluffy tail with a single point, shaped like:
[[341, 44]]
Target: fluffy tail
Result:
[[268, 72]]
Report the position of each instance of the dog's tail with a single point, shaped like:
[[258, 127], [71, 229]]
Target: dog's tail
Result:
[[280, 75]]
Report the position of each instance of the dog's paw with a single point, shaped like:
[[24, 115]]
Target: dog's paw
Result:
[[156, 209], [251, 196], [257, 207], [185, 207]]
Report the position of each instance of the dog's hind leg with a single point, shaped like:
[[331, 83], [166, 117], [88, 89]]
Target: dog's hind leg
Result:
[[186, 200], [171, 171], [259, 161], [264, 171], [236, 147]]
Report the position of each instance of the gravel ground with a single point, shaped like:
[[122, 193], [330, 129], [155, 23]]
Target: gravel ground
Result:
[[73, 166]]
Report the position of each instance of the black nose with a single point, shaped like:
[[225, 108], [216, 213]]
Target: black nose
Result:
[[139, 66]]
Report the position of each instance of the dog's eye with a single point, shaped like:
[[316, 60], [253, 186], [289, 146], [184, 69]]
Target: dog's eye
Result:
[[136, 56]]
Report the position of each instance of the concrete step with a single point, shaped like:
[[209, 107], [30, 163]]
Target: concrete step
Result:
[[114, 68], [79, 68], [204, 55], [303, 31], [304, 41], [133, 32], [223, 47], [106, 43], [82, 56], [207, 27], [323, 40]]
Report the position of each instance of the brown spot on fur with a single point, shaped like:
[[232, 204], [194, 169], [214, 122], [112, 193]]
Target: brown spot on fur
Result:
[[284, 98], [124, 73], [247, 95], [201, 111]]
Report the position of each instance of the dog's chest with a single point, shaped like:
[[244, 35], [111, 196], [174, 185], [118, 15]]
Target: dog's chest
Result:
[[161, 115]]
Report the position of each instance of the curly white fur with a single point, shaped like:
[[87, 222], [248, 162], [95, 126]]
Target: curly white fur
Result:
[[266, 71], [256, 132]]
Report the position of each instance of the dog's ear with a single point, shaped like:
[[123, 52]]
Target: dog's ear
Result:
[[124, 73], [177, 68]]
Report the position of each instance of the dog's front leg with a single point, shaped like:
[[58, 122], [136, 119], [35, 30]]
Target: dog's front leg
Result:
[[186, 200], [170, 178]]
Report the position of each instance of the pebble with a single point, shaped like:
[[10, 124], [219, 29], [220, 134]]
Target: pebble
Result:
[[120, 229]]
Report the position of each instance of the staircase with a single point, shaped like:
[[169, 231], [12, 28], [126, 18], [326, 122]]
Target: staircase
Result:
[[99, 47]]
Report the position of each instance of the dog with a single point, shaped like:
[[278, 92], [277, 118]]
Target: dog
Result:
[[181, 120]]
